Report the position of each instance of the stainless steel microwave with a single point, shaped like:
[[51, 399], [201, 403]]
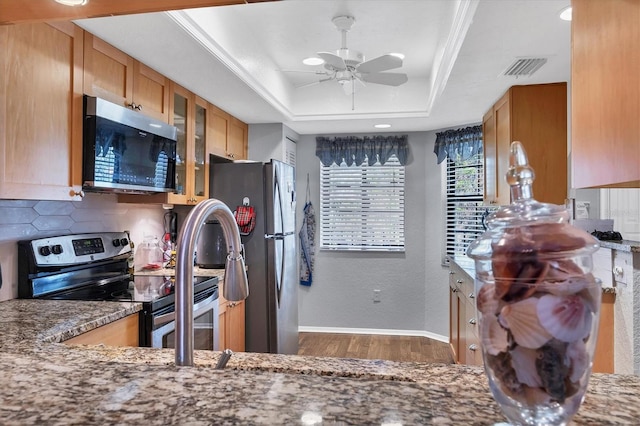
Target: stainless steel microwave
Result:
[[125, 151]]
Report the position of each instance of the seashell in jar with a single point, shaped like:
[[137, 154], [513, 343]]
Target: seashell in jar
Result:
[[552, 369], [535, 396], [567, 318], [500, 366], [523, 285], [577, 359], [562, 270], [486, 300], [524, 364], [592, 294], [567, 287], [521, 318], [494, 337], [555, 237]]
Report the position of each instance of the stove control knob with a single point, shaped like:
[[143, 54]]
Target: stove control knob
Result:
[[57, 249], [116, 243], [44, 250], [124, 242]]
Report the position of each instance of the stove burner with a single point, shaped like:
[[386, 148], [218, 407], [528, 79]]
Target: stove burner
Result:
[[607, 235], [122, 295]]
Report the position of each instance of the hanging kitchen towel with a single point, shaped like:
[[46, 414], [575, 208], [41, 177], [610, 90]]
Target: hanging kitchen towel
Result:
[[245, 216], [307, 241]]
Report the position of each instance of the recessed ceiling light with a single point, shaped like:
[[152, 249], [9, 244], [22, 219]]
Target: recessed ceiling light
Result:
[[398, 55], [565, 14], [313, 61], [72, 2], [382, 126]]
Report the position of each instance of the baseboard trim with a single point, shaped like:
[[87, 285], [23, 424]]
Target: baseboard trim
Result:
[[383, 332]]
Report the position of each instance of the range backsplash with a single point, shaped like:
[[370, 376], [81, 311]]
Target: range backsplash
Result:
[[29, 219]]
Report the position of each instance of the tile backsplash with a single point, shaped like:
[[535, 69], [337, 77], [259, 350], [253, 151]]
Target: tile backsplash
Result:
[[29, 219]]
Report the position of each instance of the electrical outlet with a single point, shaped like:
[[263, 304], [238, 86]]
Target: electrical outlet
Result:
[[376, 296]]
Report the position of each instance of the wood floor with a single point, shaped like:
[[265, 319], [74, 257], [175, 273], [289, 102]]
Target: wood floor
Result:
[[392, 348]]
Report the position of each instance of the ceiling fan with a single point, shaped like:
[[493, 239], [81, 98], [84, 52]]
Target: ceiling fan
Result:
[[348, 67]]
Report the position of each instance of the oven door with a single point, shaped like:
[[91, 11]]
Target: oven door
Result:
[[205, 323]]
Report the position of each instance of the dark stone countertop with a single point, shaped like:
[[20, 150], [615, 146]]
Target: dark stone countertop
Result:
[[46, 382]]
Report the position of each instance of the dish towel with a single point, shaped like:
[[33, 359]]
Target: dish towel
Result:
[[307, 243]]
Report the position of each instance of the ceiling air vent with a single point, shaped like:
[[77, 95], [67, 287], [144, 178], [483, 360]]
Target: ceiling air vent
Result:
[[524, 66]]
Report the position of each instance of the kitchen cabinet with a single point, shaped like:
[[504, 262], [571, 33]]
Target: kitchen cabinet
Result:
[[535, 115], [114, 76], [463, 317], [605, 94], [231, 324], [123, 332], [229, 135], [41, 111]]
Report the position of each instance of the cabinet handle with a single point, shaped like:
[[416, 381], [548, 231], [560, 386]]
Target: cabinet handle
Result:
[[459, 281], [472, 295], [73, 193], [455, 290], [451, 272], [618, 271], [472, 321], [473, 347], [133, 105]]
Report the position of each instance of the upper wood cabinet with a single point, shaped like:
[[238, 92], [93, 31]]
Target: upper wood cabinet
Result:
[[41, 111], [229, 136], [113, 75], [535, 115], [605, 93]]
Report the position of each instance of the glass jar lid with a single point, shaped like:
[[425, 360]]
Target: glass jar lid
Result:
[[526, 227]]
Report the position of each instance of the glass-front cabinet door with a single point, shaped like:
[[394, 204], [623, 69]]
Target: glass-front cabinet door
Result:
[[180, 111], [190, 118], [201, 162]]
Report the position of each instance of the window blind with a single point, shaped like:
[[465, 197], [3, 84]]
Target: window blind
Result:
[[464, 190], [362, 207]]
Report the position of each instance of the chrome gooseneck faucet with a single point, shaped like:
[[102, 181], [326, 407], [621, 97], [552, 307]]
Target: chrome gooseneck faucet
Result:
[[235, 286]]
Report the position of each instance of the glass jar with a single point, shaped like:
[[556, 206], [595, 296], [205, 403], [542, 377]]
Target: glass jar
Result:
[[538, 304], [149, 255]]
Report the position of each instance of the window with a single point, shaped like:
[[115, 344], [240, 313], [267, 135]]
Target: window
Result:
[[464, 203], [362, 207]]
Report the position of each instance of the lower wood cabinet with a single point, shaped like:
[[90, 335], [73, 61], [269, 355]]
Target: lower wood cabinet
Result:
[[231, 325], [463, 318], [123, 332]]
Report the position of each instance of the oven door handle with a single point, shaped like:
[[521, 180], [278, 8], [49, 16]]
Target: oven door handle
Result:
[[171, 316]]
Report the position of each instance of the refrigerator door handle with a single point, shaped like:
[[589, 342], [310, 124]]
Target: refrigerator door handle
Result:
[[278, 236]]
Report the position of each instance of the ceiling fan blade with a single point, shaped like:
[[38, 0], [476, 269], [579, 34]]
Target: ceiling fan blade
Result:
[[333, 60], [381, 63], [313, 83], [386, 78], [307, 72]]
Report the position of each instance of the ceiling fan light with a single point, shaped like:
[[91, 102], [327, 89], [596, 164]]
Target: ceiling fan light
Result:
[[382, 126], [313, 61], [566, 13], [72, 2], [397, 55]]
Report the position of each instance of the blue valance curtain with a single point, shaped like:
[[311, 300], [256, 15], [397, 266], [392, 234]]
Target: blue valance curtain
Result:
[[459, 144], [353, 150]]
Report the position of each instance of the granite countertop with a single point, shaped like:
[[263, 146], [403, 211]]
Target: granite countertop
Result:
[[622, 245], [47, 382], [169, 272]]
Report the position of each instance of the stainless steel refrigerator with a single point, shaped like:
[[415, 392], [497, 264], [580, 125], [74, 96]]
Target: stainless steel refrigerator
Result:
[[271, 309]]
